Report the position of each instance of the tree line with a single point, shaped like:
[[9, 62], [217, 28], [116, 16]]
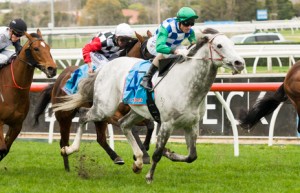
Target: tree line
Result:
[[109, 12]]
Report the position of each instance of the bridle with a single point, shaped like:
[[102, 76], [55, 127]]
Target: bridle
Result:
[[31, 62], [211, 50]]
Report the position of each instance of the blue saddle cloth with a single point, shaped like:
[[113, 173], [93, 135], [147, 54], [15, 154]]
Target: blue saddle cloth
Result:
[[134, 93], [71, 86]]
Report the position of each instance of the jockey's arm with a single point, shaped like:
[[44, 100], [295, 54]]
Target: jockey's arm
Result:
[[93, 46], [17, 46], [192, 37], [161, 42]]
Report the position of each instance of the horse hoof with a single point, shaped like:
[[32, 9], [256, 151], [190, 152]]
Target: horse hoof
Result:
[[146, 160], [119, 161], [136, 169], [63, 151], [149, 179]]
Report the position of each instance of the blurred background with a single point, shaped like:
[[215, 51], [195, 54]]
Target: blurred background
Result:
[[70, 13]]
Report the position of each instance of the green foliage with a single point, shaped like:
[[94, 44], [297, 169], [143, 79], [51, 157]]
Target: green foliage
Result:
[[102, 12], [280, 9], [34, 167]]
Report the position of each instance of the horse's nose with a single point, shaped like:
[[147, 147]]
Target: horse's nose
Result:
[[52, 71], [239, 65]]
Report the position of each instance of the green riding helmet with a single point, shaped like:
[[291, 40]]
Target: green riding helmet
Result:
[[186, 13]]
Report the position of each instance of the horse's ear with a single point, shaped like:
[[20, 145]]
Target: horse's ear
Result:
[[28, 35], [149, 34], [205, 38], [139, 37], [38, 31]]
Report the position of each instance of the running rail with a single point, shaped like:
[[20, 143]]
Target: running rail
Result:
[[217, 88]]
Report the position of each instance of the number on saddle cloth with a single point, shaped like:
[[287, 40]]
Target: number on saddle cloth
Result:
[[71, 86], [135, 94]]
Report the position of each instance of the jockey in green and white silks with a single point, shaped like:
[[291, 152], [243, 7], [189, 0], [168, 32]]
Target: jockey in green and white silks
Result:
[[168, 38]]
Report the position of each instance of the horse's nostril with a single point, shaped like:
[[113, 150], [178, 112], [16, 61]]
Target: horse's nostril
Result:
[[52, 70]]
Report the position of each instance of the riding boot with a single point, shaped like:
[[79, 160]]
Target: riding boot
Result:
[[146, 82]]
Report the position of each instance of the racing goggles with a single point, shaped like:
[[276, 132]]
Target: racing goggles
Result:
[[188, 23]]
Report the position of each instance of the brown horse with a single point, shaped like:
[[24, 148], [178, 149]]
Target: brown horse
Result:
[[15, 81], [290, 89], [54, 92]]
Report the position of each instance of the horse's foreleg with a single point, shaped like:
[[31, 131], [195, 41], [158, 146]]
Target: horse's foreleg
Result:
[[150, 129], [146, 157], [11, 135], [68, 150], [3, 147], [126, 123], [298, 127], [162, 139], [101, 128], [190, 137]]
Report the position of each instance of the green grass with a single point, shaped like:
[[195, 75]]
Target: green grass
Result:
[[37, 167]]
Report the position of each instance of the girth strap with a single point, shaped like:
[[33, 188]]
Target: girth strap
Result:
[[153, 108]]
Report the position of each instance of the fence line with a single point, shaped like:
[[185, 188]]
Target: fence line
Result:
[[69, 57], [216, 88]]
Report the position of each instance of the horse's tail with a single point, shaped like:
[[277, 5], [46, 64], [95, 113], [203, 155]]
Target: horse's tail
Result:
[[261, 108], [42, 102], [84, 95]]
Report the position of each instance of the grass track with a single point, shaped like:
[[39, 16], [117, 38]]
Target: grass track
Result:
[[36, 167]]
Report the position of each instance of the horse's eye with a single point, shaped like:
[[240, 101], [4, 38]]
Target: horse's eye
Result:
[[36, 49], [219, 46]]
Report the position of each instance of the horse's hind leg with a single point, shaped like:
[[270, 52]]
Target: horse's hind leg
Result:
[[191, 138], [64, 125], [126, 124], [101, 128], [146, 157]]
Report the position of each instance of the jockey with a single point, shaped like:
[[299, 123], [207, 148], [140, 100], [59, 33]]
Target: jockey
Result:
[[102, 48], [107, 46], [11, 36], [168, 38]]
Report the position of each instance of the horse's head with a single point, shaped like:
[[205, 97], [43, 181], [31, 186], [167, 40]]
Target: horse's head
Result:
[[139, 49], [37, 54], [221, 51]]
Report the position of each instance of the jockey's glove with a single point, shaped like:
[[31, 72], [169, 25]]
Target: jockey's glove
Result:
[[183, 52]]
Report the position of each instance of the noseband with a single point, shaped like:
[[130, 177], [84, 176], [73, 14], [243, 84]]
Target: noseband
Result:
[[31, 62]]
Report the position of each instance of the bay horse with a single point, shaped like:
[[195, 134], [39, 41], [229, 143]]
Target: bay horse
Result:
[[289, 90], [179, 96], [53, 93], [15, 82]]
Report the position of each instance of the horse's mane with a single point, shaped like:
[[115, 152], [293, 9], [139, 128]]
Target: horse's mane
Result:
[[128, 47], [201, 41]]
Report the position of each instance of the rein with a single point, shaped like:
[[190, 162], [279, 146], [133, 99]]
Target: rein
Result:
[[211, 49]]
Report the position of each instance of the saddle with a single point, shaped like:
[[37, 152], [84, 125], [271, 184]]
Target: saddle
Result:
[[166, 63], [9, 61]]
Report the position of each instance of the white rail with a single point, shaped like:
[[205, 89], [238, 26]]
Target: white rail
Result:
[[68, 57]]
